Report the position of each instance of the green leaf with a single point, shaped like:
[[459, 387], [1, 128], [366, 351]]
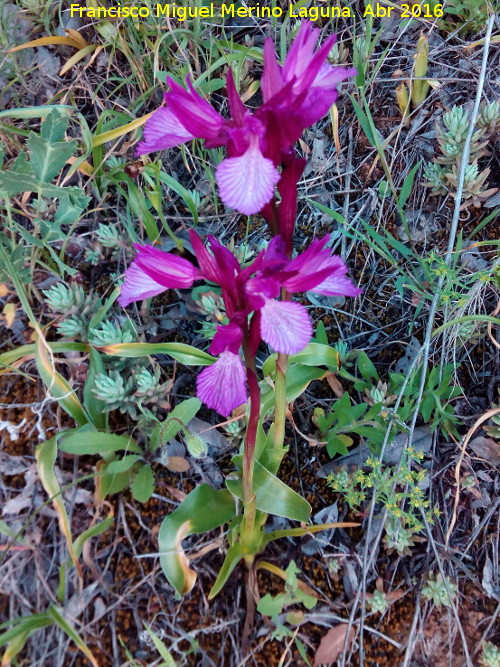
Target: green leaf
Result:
[[168, 660], [180, 416], [298, 378], [366, 368], [110, 483], [94, 442], [204, 509], [272, 457], [12, 356], [315, 354], [338, 444], [234, 554], [94, 406], [364, 122], [427, 407], [47, 159], [272, 496], [320, 335], [186, 354], [93, 531], [45, 455], [272, 605], [143, 485], [122, 465], [54, 126], [184, 194], [57, 385], [69, 212], [383, 189], [57, 615], [24, 625], [407, 186]]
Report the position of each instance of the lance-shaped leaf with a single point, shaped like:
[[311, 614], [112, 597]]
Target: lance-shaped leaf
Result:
[[25, 352], [89, 441], [94, 405], [272, 496], [315, 354], [298, 378], [57, 385], [17, 636], [58, 616], [204, 509], [45, 455], [306, 530], [234, 554], [186, 354]]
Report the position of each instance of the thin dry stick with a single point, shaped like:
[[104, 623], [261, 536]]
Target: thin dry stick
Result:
[[470, 433]]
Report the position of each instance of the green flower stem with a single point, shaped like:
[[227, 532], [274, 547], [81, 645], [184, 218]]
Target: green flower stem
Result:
[[280, 401], [248, 527]]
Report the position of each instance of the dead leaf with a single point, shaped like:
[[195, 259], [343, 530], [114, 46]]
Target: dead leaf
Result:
[[13, 465], [335, 385], [486, 448], [332, 644], [177, 464], [9, 313], [210, 435], [4, 290], [490, 586]]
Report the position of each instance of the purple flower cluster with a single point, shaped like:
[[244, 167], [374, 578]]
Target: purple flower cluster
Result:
[[259, 145], [250, 298]]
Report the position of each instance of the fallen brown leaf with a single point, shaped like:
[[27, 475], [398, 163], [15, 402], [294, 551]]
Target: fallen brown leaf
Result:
[[335, 385], [332, 644], [486, 448], [9, 314]]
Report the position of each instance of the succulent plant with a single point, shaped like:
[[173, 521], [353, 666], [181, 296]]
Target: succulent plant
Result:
[[490, 656], [71, 327], [442, 174], [62, 298], [108, 236], [378, 602], [473, 183], [489, 118], [108, 333], [339, 54], [440, 591]]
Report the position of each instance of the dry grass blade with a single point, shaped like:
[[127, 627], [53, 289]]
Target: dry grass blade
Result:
[[470, 433]]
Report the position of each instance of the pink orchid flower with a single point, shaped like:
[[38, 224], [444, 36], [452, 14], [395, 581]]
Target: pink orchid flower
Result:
[[246, 291], [296, 95]]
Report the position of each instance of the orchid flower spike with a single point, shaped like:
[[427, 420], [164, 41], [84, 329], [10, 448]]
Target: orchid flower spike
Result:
[[250, 298], [296, 95]]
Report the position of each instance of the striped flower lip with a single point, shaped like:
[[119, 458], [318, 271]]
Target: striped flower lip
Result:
[[284, 325]]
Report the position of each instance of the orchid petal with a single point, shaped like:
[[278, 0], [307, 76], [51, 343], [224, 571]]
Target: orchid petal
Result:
[[329, 77], [163, 130], [221, 386], [285, 326], [236, 106], [165, 268], [137, 286], [272, 79], [318, 271], [197, 116], [337, 285], [227, 337], [247, 182]]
